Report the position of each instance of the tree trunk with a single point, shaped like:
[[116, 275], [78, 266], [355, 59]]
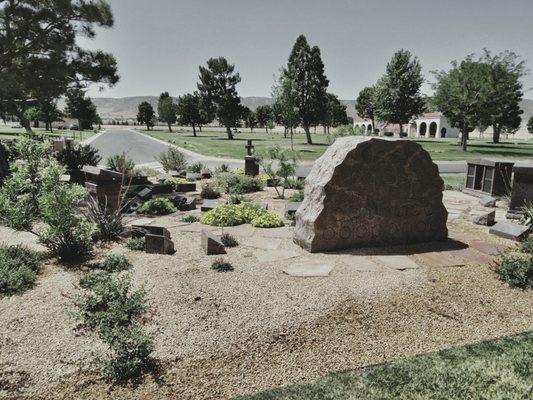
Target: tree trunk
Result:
[[147, 126], [373, 125], [266, 129], [496, 134], [26, 125], [169, 127], [193, 130], [308, 134], [285, 132], [292, 140], [401, 129], [230, 134], [200, 127], [464, 138]]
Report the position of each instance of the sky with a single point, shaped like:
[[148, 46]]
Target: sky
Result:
[[159, 44]]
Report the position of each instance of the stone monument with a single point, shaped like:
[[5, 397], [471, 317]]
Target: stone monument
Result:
[[251, 164], [366, 192]]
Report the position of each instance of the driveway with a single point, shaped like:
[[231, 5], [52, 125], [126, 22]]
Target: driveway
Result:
[[143, 150]]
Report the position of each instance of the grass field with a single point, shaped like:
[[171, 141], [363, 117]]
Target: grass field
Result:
[[213, 143], [492, 370], [6, 132]]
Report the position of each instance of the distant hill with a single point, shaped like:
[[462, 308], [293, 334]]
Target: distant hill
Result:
[[126, 107]]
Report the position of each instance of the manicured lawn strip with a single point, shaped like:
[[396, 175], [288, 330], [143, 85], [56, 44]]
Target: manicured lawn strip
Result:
[[216, 144], [453, 181], [491, 370], [7, 132]]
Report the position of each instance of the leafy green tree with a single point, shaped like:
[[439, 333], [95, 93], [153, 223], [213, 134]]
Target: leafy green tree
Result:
[[503, 79], [33, 114], [146, 114], [364, 105], [530, 125], [284, 107], [39, 39], [279, 165], [460, 94], [217, 86], [308, 84], [335, 114], [49, 113], [397, 94], [264, 116], [82, 108], [167, 110], [250, 119], [189, 111]]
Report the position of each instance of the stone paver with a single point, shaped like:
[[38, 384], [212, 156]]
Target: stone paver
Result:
[[359, 263], [194, 227], [309, 269], [245, 230], [440, 259], [397, 262], [268, 256], [470, 256], [279, 233], [490, 249], [262, 243]]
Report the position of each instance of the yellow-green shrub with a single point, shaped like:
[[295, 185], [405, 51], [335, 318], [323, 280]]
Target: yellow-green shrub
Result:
[[237, 214]]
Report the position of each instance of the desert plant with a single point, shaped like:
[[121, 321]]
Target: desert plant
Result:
[[527, 214], [222, 168], [297, 196], [196, 168], [136, 243], [172, 160], [120, 163], [115, 263], [221, 266], [517, 270], [75, 158], [238, 184], [278, 163], [228, 240], [208, 192], [527, 245], [159, 206], [18, 269], [190, 219], [237, 214], [267, 220], [237, 199], [175, 182], [106, 219]]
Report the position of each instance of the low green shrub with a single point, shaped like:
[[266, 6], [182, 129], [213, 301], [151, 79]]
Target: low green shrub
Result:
[[517, 270], [120, 163], [228, 240], [172, 160], [196, 168], [222, 168], [115, 263], [190, 219], [237, 214], [159, 206], [267, 220], [175, 182], [297, 196], [208, 192], [221, 266], [527, 215], [136, 244], [239, 184], [74, 159], [292, 183], [18, 269], [527, 245], [237, 199]]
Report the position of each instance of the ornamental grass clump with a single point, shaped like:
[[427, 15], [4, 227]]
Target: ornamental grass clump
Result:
[[18, 269], [159, 206], [220, 265], [228, 240]]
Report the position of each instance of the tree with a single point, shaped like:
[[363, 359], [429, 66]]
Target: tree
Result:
[[504, 74], [530, 125], [264, 116], [308, 88], [364, 105], [250, 119], [39, 39], [460, 94], [50, 113], [284, 107], [279, 165], [397, 94], [189, 111], [82, 108], [167, 110], [335, 114], [146, 114], [217, 86]]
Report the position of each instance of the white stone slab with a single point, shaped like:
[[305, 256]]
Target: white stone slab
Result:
[[397, 262], [309, 269]]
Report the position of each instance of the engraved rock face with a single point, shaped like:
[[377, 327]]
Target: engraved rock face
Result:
[[366, 192]]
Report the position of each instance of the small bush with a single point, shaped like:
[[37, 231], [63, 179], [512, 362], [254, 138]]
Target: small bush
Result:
[[172, 160], [267, 220], [145, 171], [74, 159], [221, 266], [527, 245], [175, 182], [527, 214], [120, 163], [237, 199], [228, 240], [239, 184], [196, 168], [222, 168], [115, 263], [136, 244], [108, 220], [190, 219], [159, 206], [208, 192], [517, 270], [291, 183], [298, 196], [18, 268], [237, 214]]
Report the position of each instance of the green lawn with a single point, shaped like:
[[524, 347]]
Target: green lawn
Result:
[[454, 181], [6, 132], [492, 370], [215, 143]]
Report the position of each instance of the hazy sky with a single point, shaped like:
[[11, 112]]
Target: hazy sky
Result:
[[159, 44]]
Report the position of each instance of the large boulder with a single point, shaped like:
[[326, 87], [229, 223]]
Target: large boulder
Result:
[[367, 192]]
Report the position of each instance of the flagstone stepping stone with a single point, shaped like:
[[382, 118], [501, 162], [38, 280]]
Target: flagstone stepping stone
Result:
[[276, 255], [309, 269], [262, 243], [397, 262], [280, 233], [359, 263], [470, 256], [490, 249], [245, 230], [194, 227], [509, 230], [440, 259]]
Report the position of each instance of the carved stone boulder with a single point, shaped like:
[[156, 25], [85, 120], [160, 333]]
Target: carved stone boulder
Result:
[[366, 192]]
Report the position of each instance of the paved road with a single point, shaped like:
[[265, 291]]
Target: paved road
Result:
[[144, 150]]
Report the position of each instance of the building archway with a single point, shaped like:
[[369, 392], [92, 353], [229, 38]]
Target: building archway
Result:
[[423, 128], [433, 129], [369, 128], [443, 132]]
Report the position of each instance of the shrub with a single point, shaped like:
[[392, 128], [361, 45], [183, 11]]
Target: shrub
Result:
[[159, 206], [18, 268], [145, 171], [239, 184], [228, 240], [172, 159], [221, 266], [237, 199], [107, 220], [527, 217], [175, 182], [222, 168], [196, 168], [517, 270], [291, 183], [208, 192], [237, 214], [279, 164], [190, 219], [74, 159], [298, 196], [136, 244], [120, 163], [114, 311], [115, 263], [527, 245], [267, 220]]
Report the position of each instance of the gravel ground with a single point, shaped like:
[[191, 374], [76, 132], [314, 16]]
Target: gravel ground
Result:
[[218, 335]]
